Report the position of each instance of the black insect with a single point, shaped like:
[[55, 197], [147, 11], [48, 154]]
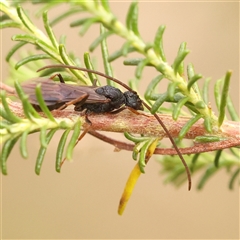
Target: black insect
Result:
[[134, 104], [90, 98]]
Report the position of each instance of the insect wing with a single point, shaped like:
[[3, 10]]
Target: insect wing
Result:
[[54, 92], [93, 97], [50, 91]]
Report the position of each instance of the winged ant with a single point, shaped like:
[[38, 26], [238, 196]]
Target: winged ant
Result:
[[89, 98], [106, 99]]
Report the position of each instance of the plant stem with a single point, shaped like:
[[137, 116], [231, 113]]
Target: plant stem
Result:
[[127, 121]]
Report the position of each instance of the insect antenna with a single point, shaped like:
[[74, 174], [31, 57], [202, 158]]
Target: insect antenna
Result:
[[88, 70], [145, 104]]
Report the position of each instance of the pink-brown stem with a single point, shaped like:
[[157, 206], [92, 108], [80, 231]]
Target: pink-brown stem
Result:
[[127, 121]]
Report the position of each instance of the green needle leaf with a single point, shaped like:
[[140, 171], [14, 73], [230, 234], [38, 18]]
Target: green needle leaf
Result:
[[64, 15], [68, 61], [140, 67], [42, 104], [4, 124], [132, 18], [25, 38], [149, 92], [6, 150], [10, 116], [210, 171], [133, 61], [87, 61], [135, 139], [188, 125], [190, 71], [126, 48], [234, 178], [224, 97], [65, 57], [135, 153], [231, 110], [14, 49], [28, 109], [208, 124], [25, 19], [62, 39], [206, 90], [4, 115], [97, 41], [79, 22], [206, 139], [178, 62], [26, 106], [31, 58], [161, 99], [43, 150], [217, 157], [217, 95], [136, 149], [87, 24], [105, 54], [60, 149], [9, 24], [194, 160], [105, 5], [4, 17], [47, 48], [193, 79], [182, 48], [200, 105], [142, 155], [23, 144], [177, 109], [158, 42], [74, 138], [171, 90], [43, 134], [49, 31]]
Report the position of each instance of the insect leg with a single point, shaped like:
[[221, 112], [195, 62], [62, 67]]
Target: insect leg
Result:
[[118, 110], [59, 76], [79, 100], [87, 128], [130, 109], [136, 112]]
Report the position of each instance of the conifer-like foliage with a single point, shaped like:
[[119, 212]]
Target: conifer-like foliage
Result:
[[189, 104]]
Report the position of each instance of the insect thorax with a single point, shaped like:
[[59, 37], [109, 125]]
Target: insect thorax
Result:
[[117, 99]]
